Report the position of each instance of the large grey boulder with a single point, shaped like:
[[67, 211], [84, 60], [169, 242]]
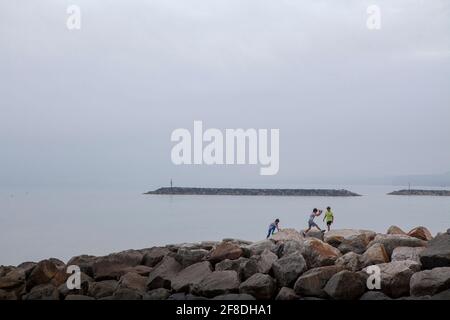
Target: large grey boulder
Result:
[[286, 294], [437, 253], [315, 234], [187, 278], [218, 283], [287, 269], [287, 235], [225, 250], [345, 285], [355, 243], [407, 253], [153, 256], [395, 277], [430, 282], [264, 261], [291, 246], [47, 271], [188, 257], [247, 268], [335, 237], [256, 248], [29, 266], [161, 276], [244, 267], [261, 286], [102, 289], [351, 261], [157, 294], [318, 253], [5, 295], [392, 241], [127, 294], [312, 282], [42, 292], [84, 262], [133, 281], [111, 266], [140, 270], [375, 254], [13, 280], [228, 264], [57, 262], [4, 270]]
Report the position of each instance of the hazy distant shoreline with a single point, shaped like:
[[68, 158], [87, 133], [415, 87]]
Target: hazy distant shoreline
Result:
[[253, 192]]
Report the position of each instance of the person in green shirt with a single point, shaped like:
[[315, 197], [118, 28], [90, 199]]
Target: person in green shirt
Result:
[[328, 217]]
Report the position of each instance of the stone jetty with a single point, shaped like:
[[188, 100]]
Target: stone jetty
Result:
[[289, 266]]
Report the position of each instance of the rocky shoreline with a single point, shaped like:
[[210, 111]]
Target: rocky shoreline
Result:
[[407, 192], [253, 192], [289, 266]]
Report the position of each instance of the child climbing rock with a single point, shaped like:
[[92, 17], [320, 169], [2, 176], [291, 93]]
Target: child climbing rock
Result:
[[272, 227]]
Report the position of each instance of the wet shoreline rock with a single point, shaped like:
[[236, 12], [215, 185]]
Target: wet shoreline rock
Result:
[[437, 252]]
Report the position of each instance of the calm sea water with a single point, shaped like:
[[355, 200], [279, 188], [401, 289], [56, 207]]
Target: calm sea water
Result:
[[54, 223]]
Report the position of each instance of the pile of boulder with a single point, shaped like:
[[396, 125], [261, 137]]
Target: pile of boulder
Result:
[[290, 266]]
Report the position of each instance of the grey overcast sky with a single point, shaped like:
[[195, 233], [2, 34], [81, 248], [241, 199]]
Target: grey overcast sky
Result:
[[96, 107]]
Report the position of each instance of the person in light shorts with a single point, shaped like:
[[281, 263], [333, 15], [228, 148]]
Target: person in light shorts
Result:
[[316, 212]]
